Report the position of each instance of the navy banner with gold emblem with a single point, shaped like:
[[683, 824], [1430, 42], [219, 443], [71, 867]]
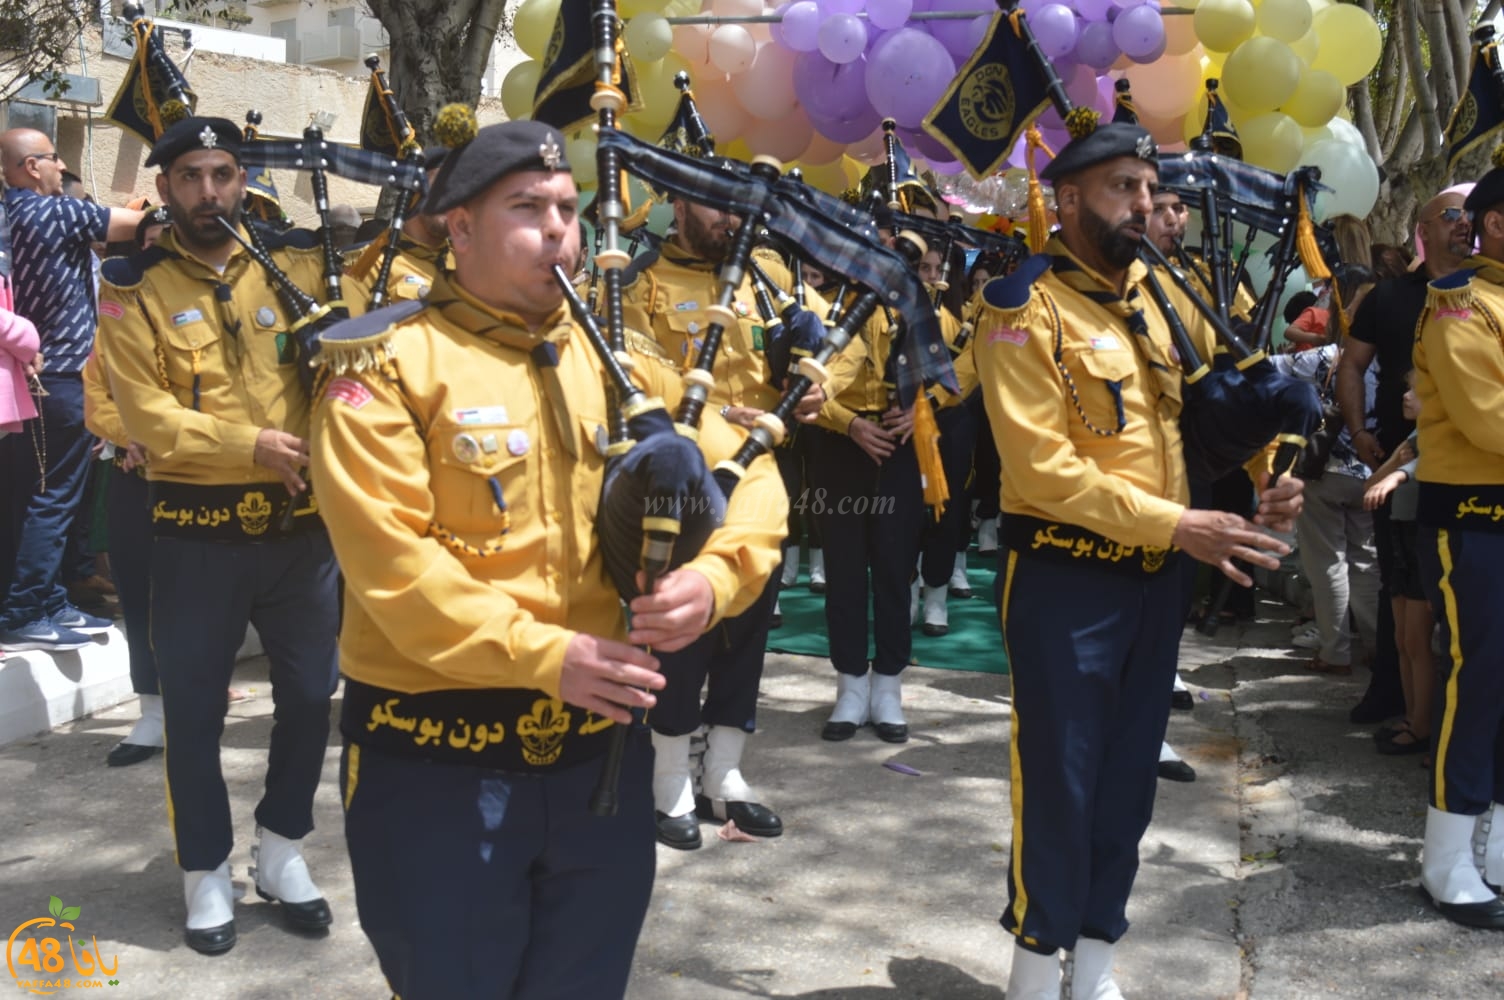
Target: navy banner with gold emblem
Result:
[[1479, 116], [567, 80], [994, 97], [378, 133], [151, 81]]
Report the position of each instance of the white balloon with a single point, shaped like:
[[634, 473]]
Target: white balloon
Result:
[[1345, 131], [1349, 174]]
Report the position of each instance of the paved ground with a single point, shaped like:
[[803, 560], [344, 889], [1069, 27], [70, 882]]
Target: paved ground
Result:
[[1285, 872]]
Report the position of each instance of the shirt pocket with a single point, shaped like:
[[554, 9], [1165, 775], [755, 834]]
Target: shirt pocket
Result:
[[480, 478], [1097, 382], [191, 354]]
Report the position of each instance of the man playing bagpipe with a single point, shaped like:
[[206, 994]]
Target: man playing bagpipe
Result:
[[1459, 380], [421, 247], [203, 364], [1083, 391], [459, 453], [670, 292]]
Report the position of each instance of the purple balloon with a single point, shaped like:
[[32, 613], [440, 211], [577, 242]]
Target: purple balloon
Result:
[[889, 14], [1056, 29], [801, 26], [1093, 10], [947, 168], [831, 92], [1096, 47], [857, 127], [829, 7], [907, 74], [1138, 31], [843, 38], [955, 35], [776, 28], [917, 140]]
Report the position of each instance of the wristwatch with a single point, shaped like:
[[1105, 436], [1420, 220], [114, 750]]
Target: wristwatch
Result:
[[726, 412]]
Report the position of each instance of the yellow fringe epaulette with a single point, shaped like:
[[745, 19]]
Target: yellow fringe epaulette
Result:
[[641, 343], [364, 344], [1016, 300], [1454, 291]]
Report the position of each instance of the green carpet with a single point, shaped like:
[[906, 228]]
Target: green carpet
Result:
[[974, 642]]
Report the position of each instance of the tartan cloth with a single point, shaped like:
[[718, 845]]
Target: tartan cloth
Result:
[[1242, 192], [359, 165], [839, 237], [936, 231]]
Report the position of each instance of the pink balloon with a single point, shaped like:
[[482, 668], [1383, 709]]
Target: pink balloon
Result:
[[1055, 27], [907, 74], [719, 107], [869, 148], [785, 139], [1081, 88], [822, 150], [767, 89]]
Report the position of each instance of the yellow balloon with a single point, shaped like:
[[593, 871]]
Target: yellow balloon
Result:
[[737, 149], [1350, 42], [1272, 141], [1306, 46], [518, 89], [533, 25], [579, 150], [1317, 98], [632, 8], [1286, 20], [1261, 74], [827, 177], [655, 81], [1224, 24], [648, 37]]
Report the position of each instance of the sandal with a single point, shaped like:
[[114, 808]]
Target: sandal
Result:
[[1319, 666], [1403, 743]]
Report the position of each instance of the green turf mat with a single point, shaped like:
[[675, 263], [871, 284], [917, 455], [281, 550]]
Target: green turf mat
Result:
[[974, 642]]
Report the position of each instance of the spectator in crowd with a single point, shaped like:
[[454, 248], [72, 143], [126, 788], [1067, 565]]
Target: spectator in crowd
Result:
[[54, 288], [1307, 322], [1390, 261], [1383, 330]]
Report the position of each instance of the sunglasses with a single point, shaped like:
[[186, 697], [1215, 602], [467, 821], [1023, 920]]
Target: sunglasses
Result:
[[45, 156], [1448, 215]]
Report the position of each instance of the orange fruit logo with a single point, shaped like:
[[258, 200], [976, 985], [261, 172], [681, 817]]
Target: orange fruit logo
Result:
[[35, 957]]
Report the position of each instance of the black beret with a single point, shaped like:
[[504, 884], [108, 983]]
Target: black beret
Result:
[[434, 156], [192, 134], [1488, 192], [496, 150], [1106, 142]]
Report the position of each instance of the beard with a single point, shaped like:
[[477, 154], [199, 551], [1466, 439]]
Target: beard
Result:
[[1118, 246], [198, 229], [704, 241]]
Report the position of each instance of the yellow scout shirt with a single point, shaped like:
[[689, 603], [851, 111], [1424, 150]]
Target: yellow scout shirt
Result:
[[1459, 379], [101, 415], [413, 273], [467, 532], [963, 360], [1085, 415], [857, 386], [197, 372]]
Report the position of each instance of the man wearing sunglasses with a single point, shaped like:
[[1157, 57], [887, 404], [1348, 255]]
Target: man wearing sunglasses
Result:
[[45, 469], [1384, 330]]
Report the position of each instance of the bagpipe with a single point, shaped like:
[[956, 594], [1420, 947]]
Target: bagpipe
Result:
[[406, 140]]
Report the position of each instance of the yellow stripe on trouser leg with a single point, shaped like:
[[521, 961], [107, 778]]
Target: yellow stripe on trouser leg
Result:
[[1449, 712], [172, 823], [1015, 768], [352, 773]]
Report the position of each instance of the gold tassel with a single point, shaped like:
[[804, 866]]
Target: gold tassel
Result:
[[1312, 260], [1039, 226], [369, 256], [927, 448]]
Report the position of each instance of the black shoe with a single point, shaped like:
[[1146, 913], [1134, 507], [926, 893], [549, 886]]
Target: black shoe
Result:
[[1176, 770], [892, 732], [682, 833], [838, 732], [313, 915], [1488, 916], [1182, 700], [935, 631], [125, 754], [776, 621], [1375, 709], [211, 940], [751, 818], [961, 593]]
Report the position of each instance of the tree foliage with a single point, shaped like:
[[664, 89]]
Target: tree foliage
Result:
[[36, 39], [1404, 108]]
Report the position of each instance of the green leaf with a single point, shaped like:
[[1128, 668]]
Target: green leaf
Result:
[[71, 912], [54, 906]]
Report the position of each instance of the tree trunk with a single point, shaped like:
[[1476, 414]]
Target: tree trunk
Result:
[[438, 52]]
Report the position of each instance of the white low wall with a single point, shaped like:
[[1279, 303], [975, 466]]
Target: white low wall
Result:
[[41, 690]]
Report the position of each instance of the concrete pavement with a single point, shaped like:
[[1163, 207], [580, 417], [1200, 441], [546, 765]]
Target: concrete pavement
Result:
[[1286, 871]]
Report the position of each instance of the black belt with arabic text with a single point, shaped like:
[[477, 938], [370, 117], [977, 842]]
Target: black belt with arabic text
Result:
[[1073, 544]]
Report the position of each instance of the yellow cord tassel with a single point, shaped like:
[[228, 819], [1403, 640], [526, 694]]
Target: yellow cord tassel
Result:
[[927, 448], [365, 264], [1312, 260], [1039, 223]]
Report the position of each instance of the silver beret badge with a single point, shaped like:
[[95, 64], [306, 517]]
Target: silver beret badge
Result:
[[208, 138]]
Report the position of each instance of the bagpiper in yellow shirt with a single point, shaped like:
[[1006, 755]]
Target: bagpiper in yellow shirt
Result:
[[1459, 380], [1085, 414], [461, 500], [413, 271]]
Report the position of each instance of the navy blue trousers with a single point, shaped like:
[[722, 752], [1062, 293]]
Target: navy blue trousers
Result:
[[1091, 654], [729, 657], [871, 517], [493, 886], [1461, 575], [52, 501], [130, 567], [203, 594]]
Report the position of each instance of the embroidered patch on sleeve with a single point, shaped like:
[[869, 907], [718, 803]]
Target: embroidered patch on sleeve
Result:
[[1454, 312], [114, 310], [1016, 337], [348, 390]]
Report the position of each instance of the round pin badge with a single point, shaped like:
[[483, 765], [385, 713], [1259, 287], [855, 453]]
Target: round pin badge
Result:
[[466, 448], [517, 442], [266, 316]]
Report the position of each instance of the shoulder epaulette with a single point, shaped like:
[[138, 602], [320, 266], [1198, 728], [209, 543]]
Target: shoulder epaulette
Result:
[[128, 272], [363, 343], [1451, 291], [641, 343], [1012, 292], [640, 263]]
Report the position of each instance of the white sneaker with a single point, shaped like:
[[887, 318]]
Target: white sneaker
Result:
[[817, 570], [960, 584], [791, 565], [987, 537], [936, 613], [1307, 638]]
